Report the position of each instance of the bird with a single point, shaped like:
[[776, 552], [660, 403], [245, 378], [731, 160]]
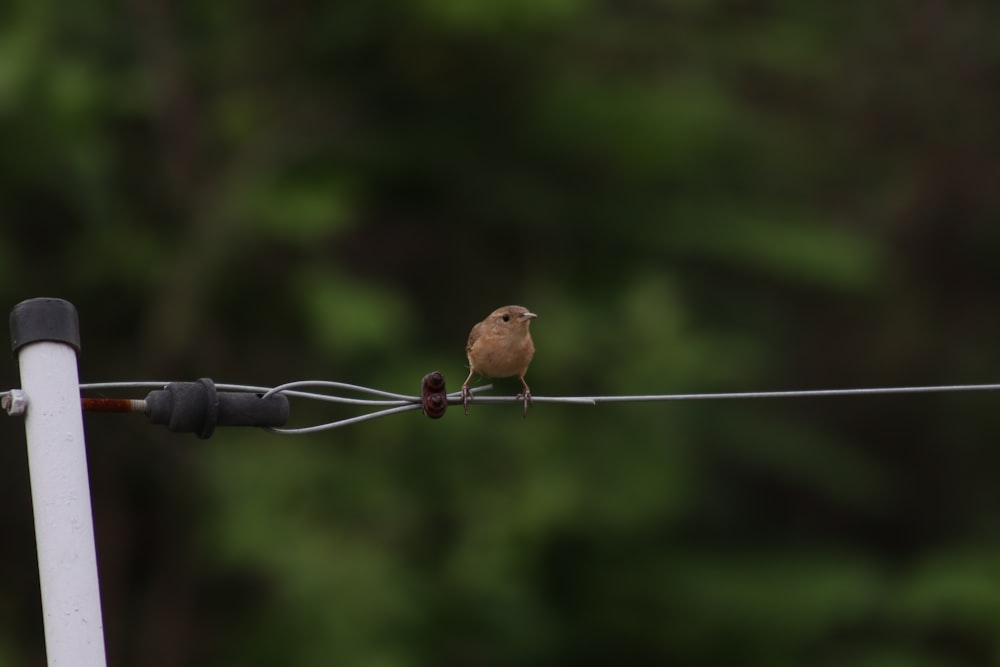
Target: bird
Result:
[[500, 346]]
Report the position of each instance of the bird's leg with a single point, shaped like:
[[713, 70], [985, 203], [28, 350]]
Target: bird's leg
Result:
[[526, 395], [466, 394]]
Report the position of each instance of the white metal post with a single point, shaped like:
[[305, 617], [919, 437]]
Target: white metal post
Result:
[[60, 489]]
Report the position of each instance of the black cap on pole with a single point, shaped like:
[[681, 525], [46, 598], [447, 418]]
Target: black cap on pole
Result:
[[41, 319]]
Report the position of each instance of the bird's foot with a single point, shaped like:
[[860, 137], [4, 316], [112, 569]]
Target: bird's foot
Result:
[[526, 395], [466, 397]]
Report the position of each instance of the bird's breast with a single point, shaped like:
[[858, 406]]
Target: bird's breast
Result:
[[500, 357]]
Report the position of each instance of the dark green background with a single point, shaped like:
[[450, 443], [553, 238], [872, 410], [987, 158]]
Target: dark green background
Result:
[[694, 196]]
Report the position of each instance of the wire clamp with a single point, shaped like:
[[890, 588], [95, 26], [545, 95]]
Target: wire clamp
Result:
[[14, 402]]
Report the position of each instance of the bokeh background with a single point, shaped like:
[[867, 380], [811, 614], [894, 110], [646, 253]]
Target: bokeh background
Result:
[[695, 196]]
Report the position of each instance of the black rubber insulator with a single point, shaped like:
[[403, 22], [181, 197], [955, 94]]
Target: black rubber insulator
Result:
[[196, 407], [185, 407], [44, 319]]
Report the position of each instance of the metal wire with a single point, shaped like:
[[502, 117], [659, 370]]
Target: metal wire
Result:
[[407, 403], [803, 393], [393, 403]]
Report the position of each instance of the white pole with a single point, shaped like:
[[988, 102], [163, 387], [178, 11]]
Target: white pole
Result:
[[60, 489]]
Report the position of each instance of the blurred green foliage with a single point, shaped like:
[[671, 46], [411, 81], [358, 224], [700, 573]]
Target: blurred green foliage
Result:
[[694, 196]]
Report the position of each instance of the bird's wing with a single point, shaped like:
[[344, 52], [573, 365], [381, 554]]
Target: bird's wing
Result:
[[473, 337]]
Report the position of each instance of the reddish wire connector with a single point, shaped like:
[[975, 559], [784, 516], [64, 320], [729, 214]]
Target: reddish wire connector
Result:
[[433, 397], [114, 405]]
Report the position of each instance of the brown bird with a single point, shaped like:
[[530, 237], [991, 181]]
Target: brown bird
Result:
[[500, 346]]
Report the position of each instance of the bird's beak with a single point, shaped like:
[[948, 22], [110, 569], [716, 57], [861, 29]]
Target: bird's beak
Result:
[[528, 316]]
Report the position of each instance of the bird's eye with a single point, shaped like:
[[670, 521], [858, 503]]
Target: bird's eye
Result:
[[505, 317]]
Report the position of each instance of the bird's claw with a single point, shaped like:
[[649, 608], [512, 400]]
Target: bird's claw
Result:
[[526, 395], [466, 397]]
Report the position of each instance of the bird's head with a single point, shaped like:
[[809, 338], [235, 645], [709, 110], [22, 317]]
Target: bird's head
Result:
[[512, 318]]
